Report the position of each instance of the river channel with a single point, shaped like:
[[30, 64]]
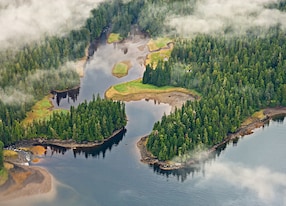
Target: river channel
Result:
[[249, 172]]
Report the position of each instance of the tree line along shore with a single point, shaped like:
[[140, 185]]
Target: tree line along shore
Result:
[[186, 161], [235, 76]]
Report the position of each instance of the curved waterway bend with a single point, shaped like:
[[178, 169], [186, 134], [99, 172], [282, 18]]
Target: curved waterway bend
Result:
[[251, 172]]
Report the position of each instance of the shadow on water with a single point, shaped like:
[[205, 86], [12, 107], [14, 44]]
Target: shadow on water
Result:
[[97, 151], [279, 119], [184, 173], [198, 167], [70, 94], [90, 152]]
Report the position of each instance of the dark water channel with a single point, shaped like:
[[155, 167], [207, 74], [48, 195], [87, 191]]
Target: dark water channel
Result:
[[249, 172]]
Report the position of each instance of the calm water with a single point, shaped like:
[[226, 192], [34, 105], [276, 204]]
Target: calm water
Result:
[[251, 172]]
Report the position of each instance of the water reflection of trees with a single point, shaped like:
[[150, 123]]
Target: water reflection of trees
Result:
[[184, 173], [70, 94], [279, 118], [190, 171], [94, 152]]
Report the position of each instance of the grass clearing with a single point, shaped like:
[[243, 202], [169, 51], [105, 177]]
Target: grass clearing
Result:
[[159, 50], [155, 44], [41, 110], [253, 118], [121, 69], [113, 37], [136, 86], [260, 115], [154, 57], [128, 90]]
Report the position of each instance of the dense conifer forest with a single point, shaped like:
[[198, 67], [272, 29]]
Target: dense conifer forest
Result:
[[236, 76], [90, 121], [31, 71]]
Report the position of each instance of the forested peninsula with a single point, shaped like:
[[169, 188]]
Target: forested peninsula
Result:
[[236, 76], [32, 70]]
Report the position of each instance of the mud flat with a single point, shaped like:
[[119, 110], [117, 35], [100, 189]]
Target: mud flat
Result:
[[27, 183]]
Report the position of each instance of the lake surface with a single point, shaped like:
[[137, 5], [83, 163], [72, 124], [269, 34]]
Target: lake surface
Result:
[[251, 172]]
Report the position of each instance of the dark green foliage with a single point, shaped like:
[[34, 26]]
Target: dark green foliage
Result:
[[160, 76], [91, 121], [33, 70], [236, 77], [1, 155]]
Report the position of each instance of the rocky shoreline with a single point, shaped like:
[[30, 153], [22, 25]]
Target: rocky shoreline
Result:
[[148, 158], [68, 144]]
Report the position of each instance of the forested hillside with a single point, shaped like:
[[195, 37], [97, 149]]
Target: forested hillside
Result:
[[236, 77], [90, 121], [244, 73], [31, 72]]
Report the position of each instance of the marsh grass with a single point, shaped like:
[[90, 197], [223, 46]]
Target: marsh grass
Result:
[[121, 69], [3, 176], [155, 44], [253, 118], [129, 90], [113, 37], [159, 50], [42, 110]]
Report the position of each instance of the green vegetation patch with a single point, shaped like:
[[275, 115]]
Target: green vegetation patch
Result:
[[10, 154], [257, 116], [160, 50], [136, 87], [155, 57], [113, 37], [43, 109], [121, 69], [3, 176], [155, 44]]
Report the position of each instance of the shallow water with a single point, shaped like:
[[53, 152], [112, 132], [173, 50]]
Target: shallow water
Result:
[[251, 172]]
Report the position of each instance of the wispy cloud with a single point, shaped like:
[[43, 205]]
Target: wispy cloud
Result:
[[269, 185], [214, 16], [25, 20]]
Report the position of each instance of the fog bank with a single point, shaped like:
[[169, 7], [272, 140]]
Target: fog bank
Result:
[[219, 16], [24, 20], [267, 184]]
